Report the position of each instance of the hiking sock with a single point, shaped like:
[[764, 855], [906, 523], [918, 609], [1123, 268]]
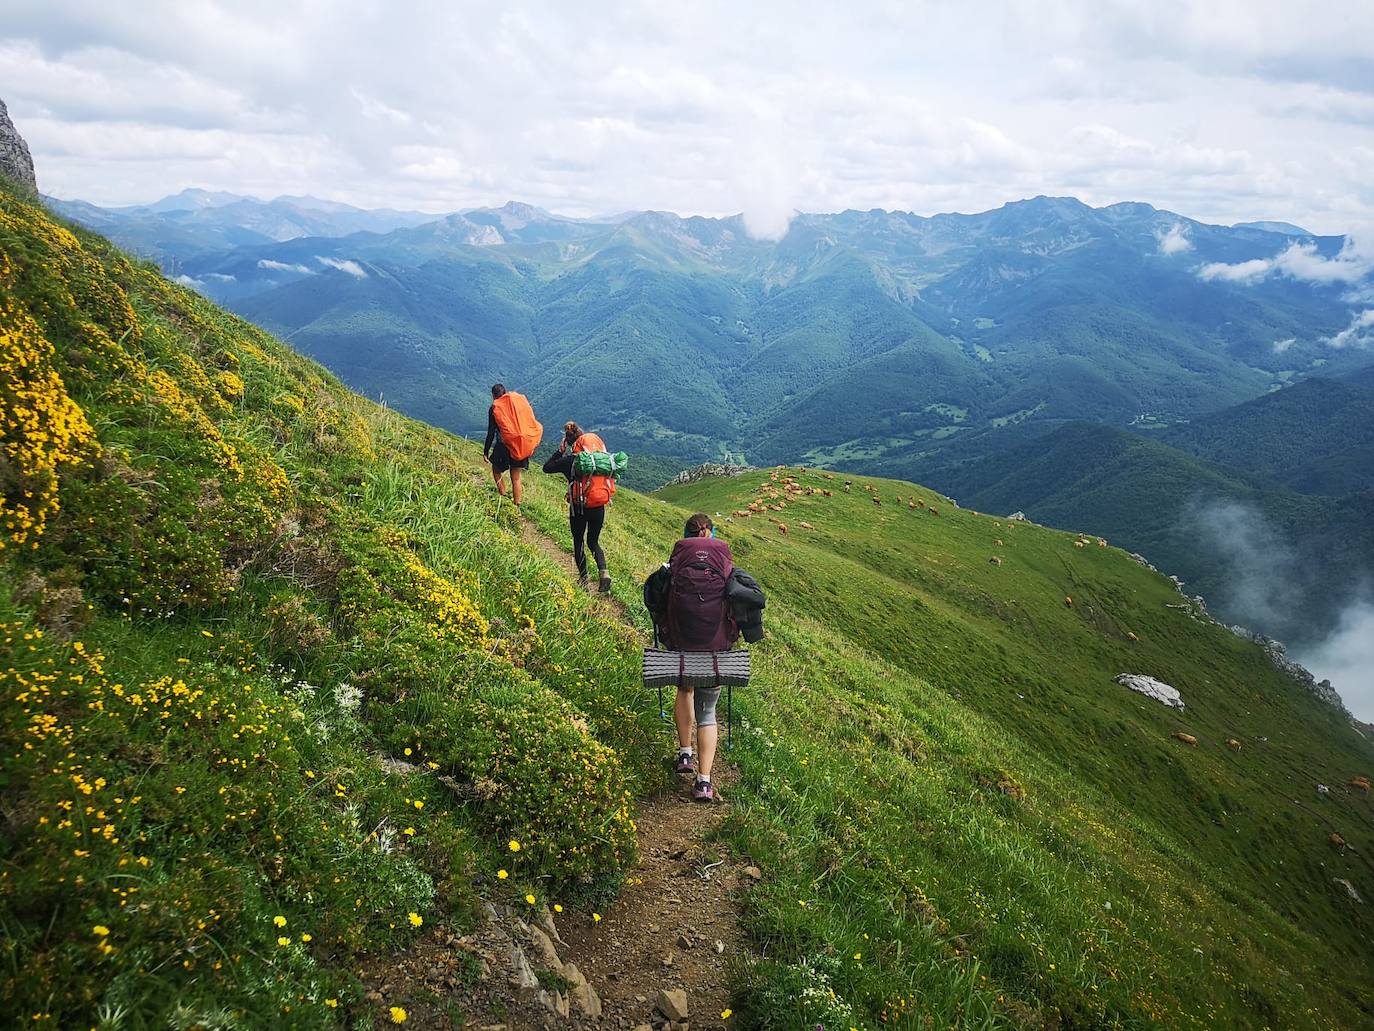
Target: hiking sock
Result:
[[704, 777], [684, 751]]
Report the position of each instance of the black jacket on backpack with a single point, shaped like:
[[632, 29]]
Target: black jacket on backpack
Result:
[[745, 596]]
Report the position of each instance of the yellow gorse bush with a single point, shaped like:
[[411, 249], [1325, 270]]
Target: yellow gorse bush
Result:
[[42, 430]]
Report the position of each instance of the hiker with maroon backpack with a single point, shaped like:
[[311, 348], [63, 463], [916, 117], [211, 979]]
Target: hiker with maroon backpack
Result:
[[512, 435], [699, 619], [588, 496]]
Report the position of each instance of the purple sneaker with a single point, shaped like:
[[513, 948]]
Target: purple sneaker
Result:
[[686, 765], [702, 791]]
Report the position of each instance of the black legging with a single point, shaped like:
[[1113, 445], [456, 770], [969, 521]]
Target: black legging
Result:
[[588, 522]]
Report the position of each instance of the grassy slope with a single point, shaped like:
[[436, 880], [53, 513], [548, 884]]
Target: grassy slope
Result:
[[228, 589], [883, 755], [908, 676]]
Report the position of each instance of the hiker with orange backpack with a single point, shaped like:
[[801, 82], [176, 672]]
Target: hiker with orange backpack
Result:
[[512, 435], [588, 496]]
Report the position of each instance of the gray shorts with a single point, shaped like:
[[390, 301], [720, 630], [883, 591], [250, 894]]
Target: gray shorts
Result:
[[704, 703]]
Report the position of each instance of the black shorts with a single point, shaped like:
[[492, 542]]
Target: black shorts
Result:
[[502, 461]]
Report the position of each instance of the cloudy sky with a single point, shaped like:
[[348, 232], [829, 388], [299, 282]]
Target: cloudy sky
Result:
[[1226, 110]]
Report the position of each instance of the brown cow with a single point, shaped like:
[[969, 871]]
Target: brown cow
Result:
[[782, 527], [1362, 783], [911, 504], [1131, 637], [1068, 601], [995, 560], [1187, 739], [806, 526], [1336, 840], [877, 500], [1233, 744], [933, 510]]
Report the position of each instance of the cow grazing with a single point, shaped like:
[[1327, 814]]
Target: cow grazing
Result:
[[782, 527], [1187, 739], [806, 526], [829, 476], [933, 510], [1233, 744], [1360, 783], [1078, 544], [1131, 637], [995, 560], [997, 541], [1336, 840], [911, 505], [877, 500], [1101, 542], [920, 502], [828, 494], [1068, 601], [846, 488]]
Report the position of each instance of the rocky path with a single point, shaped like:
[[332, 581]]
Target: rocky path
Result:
[[657, 959]]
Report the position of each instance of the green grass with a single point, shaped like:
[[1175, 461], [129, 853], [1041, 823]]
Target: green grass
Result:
[[251, 587], [230, 591]]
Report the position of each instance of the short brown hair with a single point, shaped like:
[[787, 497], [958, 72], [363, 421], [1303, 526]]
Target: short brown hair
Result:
[[571, 431], [697, 523]]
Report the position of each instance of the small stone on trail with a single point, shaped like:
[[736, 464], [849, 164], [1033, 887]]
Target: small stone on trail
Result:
[[720, 946], [653, 928], [684, 942], [667, 959], [672, 1004]]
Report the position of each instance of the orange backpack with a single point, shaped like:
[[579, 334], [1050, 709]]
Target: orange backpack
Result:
[[590, 491], [520, 430]]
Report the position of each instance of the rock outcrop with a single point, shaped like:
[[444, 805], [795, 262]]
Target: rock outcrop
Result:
[[1278, 655], [707, 470], [1151, 688], [16, 163]]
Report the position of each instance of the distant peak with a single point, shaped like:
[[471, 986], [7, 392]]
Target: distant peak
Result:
[[1282, 228]]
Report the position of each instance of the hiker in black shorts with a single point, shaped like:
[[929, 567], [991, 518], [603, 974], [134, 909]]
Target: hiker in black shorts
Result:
[[495, 450], [585, 518]]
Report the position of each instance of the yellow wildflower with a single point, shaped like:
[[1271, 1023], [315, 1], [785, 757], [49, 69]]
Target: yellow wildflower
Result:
[[501, 875], [514, 845], [415, 919], [100, 930], [280, 921], [398, 1015]]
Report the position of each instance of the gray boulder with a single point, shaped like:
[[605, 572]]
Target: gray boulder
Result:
[[16, 163]]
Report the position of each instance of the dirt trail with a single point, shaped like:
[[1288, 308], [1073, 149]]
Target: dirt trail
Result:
[[674, 926], [676, 923]]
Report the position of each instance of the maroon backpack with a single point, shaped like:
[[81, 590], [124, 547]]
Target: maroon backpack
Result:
[[699, 617]]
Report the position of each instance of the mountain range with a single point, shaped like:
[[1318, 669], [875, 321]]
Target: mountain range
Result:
[[963, 350]]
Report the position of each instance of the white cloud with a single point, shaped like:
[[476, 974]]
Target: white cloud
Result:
[[1175, 240], [343, 265], [1346, 658], [185, 280], [1354, 334], [1299, 260], [221, 277], [1280, 346], [282, 266], [1243, 272]]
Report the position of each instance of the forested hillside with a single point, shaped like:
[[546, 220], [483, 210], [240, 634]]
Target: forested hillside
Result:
[[1218, 527]]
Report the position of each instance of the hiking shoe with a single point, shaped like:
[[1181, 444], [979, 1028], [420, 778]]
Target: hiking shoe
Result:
[[686, 765], [703, 791], [605, 582]]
